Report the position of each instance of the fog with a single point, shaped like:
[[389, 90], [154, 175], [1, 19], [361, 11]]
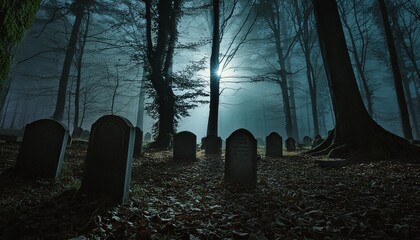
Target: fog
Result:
[[112, 75]]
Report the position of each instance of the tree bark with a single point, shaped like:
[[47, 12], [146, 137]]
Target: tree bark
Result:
[[355, 131], [402, 103], [160, 61], [65, 72], [212, 126]]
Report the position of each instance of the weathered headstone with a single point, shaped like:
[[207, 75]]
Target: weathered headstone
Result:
[[185, 146], [109, 156], [241, 158], [307, 141], [42, 150], [147, 137], [290, 144], [138, 141], [213, 144], [274, 145], [317, 140]]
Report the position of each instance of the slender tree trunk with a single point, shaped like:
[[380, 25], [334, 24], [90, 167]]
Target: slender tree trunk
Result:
[[286, 104], [77, 131], [140, 110], [355, 130], [293, 103], [402, 103], [212, 126], [65, 72]]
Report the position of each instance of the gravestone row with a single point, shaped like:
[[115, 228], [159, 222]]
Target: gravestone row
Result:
[[110, 151]]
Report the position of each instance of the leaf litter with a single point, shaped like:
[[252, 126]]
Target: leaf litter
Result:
[[172, 199]]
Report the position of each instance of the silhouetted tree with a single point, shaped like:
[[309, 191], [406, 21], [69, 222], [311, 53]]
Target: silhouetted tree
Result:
[[402, 103], [355, 130]]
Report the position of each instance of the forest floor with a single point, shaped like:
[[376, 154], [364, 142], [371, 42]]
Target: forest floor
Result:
[[293, 199]]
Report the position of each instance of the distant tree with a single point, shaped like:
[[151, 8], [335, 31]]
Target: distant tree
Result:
[[402, 103], [360, 38], [232, 14], [302, 13], [355, 131], [15, 18], [273, 12]]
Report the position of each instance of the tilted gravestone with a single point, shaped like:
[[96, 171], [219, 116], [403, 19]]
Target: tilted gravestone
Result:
[[213, 144], [317, 141], [241, 158], [307, 141], [147, 137], [274, 145], [138, 141], [185, 146], [109, 156], [42, 150], [290, 144]]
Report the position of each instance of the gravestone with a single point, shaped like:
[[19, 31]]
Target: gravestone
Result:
[[85, 134], [148, 137], [317, 141], [307, 141], [185, 146], [241, 158], [109, 156], [274, 145], [138, 141], [42, 150], [290, 144], [213, 144], [203, 140]]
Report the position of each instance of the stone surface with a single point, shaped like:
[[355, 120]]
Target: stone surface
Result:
[[241, 158], [42, 149], [185, 146], [274, 145], [147, 137], [290, 144], [109, 157]]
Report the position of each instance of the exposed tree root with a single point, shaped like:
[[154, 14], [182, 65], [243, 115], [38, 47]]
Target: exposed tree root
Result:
[[378, 144]]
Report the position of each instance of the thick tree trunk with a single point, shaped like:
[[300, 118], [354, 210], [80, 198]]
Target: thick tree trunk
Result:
[[355, 132], [402, 103], [65, 72], [212, 125]]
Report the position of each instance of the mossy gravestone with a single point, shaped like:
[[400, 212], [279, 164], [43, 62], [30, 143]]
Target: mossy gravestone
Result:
[[185, 146], [274, 145], [42, 149], [109, 157], [241, 158]]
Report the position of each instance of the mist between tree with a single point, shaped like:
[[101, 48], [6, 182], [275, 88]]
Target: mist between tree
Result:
[[270, 69]]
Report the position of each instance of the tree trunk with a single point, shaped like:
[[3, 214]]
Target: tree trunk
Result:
[[402, 103], [355, 132], [76, 127], [212, 126], [286, 104], [160, 61], [65, 72], [140, 109]]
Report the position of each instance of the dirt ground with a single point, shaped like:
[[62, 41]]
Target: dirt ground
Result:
[[294, 199]]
